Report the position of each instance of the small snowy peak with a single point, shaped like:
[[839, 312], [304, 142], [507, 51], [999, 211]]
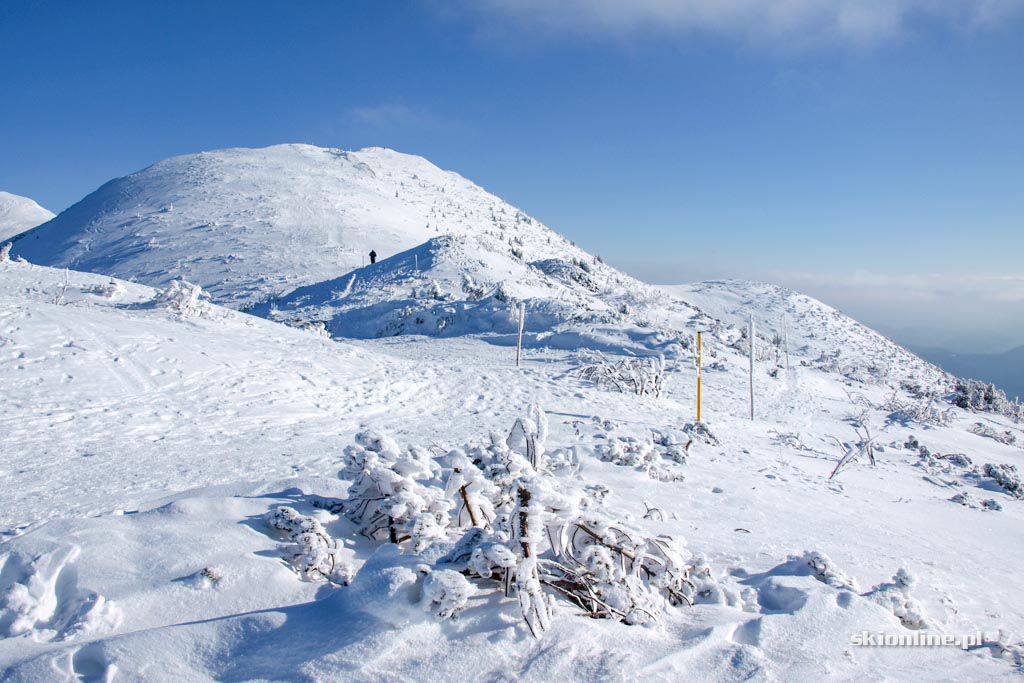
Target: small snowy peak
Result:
[[18, 214], [809, 331], [474, 284]]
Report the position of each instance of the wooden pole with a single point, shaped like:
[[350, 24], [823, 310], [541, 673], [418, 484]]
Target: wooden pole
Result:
[[519, 339], [752, 344], [698, 376], [785, 338]]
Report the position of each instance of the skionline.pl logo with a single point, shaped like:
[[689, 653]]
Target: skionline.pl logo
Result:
[[917, 639]]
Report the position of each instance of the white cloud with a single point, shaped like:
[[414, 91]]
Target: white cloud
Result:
[[789, 23]]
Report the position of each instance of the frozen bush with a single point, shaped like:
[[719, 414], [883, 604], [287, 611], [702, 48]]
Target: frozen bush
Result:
[[977, 396], [1005, 437], [515, 524], [646, 455], [184, 298], [925, 411], [896, 596], [445, 593], [641, 376], [1006, 476], [394, 494], [315, 555], [967, 501], [825, 570], [5, 252], [701, 432]]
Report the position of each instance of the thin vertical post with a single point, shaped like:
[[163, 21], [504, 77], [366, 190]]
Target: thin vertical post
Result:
[[698, 375], [785, 338], [751, 340], [519, 340], [417, 257]]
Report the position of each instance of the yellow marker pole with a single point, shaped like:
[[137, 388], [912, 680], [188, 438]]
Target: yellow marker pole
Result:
[[698, 376]]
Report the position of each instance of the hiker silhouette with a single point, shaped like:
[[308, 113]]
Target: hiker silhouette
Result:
[[373, 257]]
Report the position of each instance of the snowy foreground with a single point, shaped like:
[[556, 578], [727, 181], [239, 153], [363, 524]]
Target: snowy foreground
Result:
[[150, 441]]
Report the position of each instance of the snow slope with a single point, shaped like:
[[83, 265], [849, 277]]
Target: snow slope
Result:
[[155, 443], [812, 331], [18, 214], [251, 224], [474, 284]]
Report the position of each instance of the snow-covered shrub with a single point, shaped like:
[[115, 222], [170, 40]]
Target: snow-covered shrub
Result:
[[947, 463], [966, 500], [315, 555], [395, 495], [514, 523], [1006, 476], [1005, 437], [528, 435], [317, 327], [641, 376], [647, 455], [925, 411], [671, 447], [112, 289], [445, 593], [5, 252], [432, 291], [826, 571], [473, 492], [700, 432], [852, 452], [977, 396], [472, 290], [576, 272], [184, 298], [896, 596]]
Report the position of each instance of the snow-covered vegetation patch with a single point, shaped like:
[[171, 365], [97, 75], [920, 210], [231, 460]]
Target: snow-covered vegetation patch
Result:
[[1006, 476], [972, 394], [1004, 437], [184, 299], [896, 595], [314, 554], [640, 376], [514, 524]]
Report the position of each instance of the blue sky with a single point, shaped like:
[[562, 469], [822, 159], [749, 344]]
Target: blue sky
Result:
[[870, 153]]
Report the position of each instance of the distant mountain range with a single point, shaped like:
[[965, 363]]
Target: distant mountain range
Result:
[[1005, 370]]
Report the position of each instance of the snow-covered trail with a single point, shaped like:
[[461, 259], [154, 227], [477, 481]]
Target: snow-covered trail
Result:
[[107, 404]]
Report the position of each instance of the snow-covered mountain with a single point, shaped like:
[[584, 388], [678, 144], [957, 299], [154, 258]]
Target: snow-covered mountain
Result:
[[250, 224], [197, 493], [18, 214], [285, 231]]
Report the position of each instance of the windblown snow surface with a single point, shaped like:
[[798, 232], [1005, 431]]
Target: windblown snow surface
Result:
[[148, 439], [18, 214]]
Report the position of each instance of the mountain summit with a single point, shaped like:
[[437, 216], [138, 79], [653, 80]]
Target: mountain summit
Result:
[[252, 224], [18, 214]]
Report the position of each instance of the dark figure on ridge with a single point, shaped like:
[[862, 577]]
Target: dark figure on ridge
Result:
[[373, 257]]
